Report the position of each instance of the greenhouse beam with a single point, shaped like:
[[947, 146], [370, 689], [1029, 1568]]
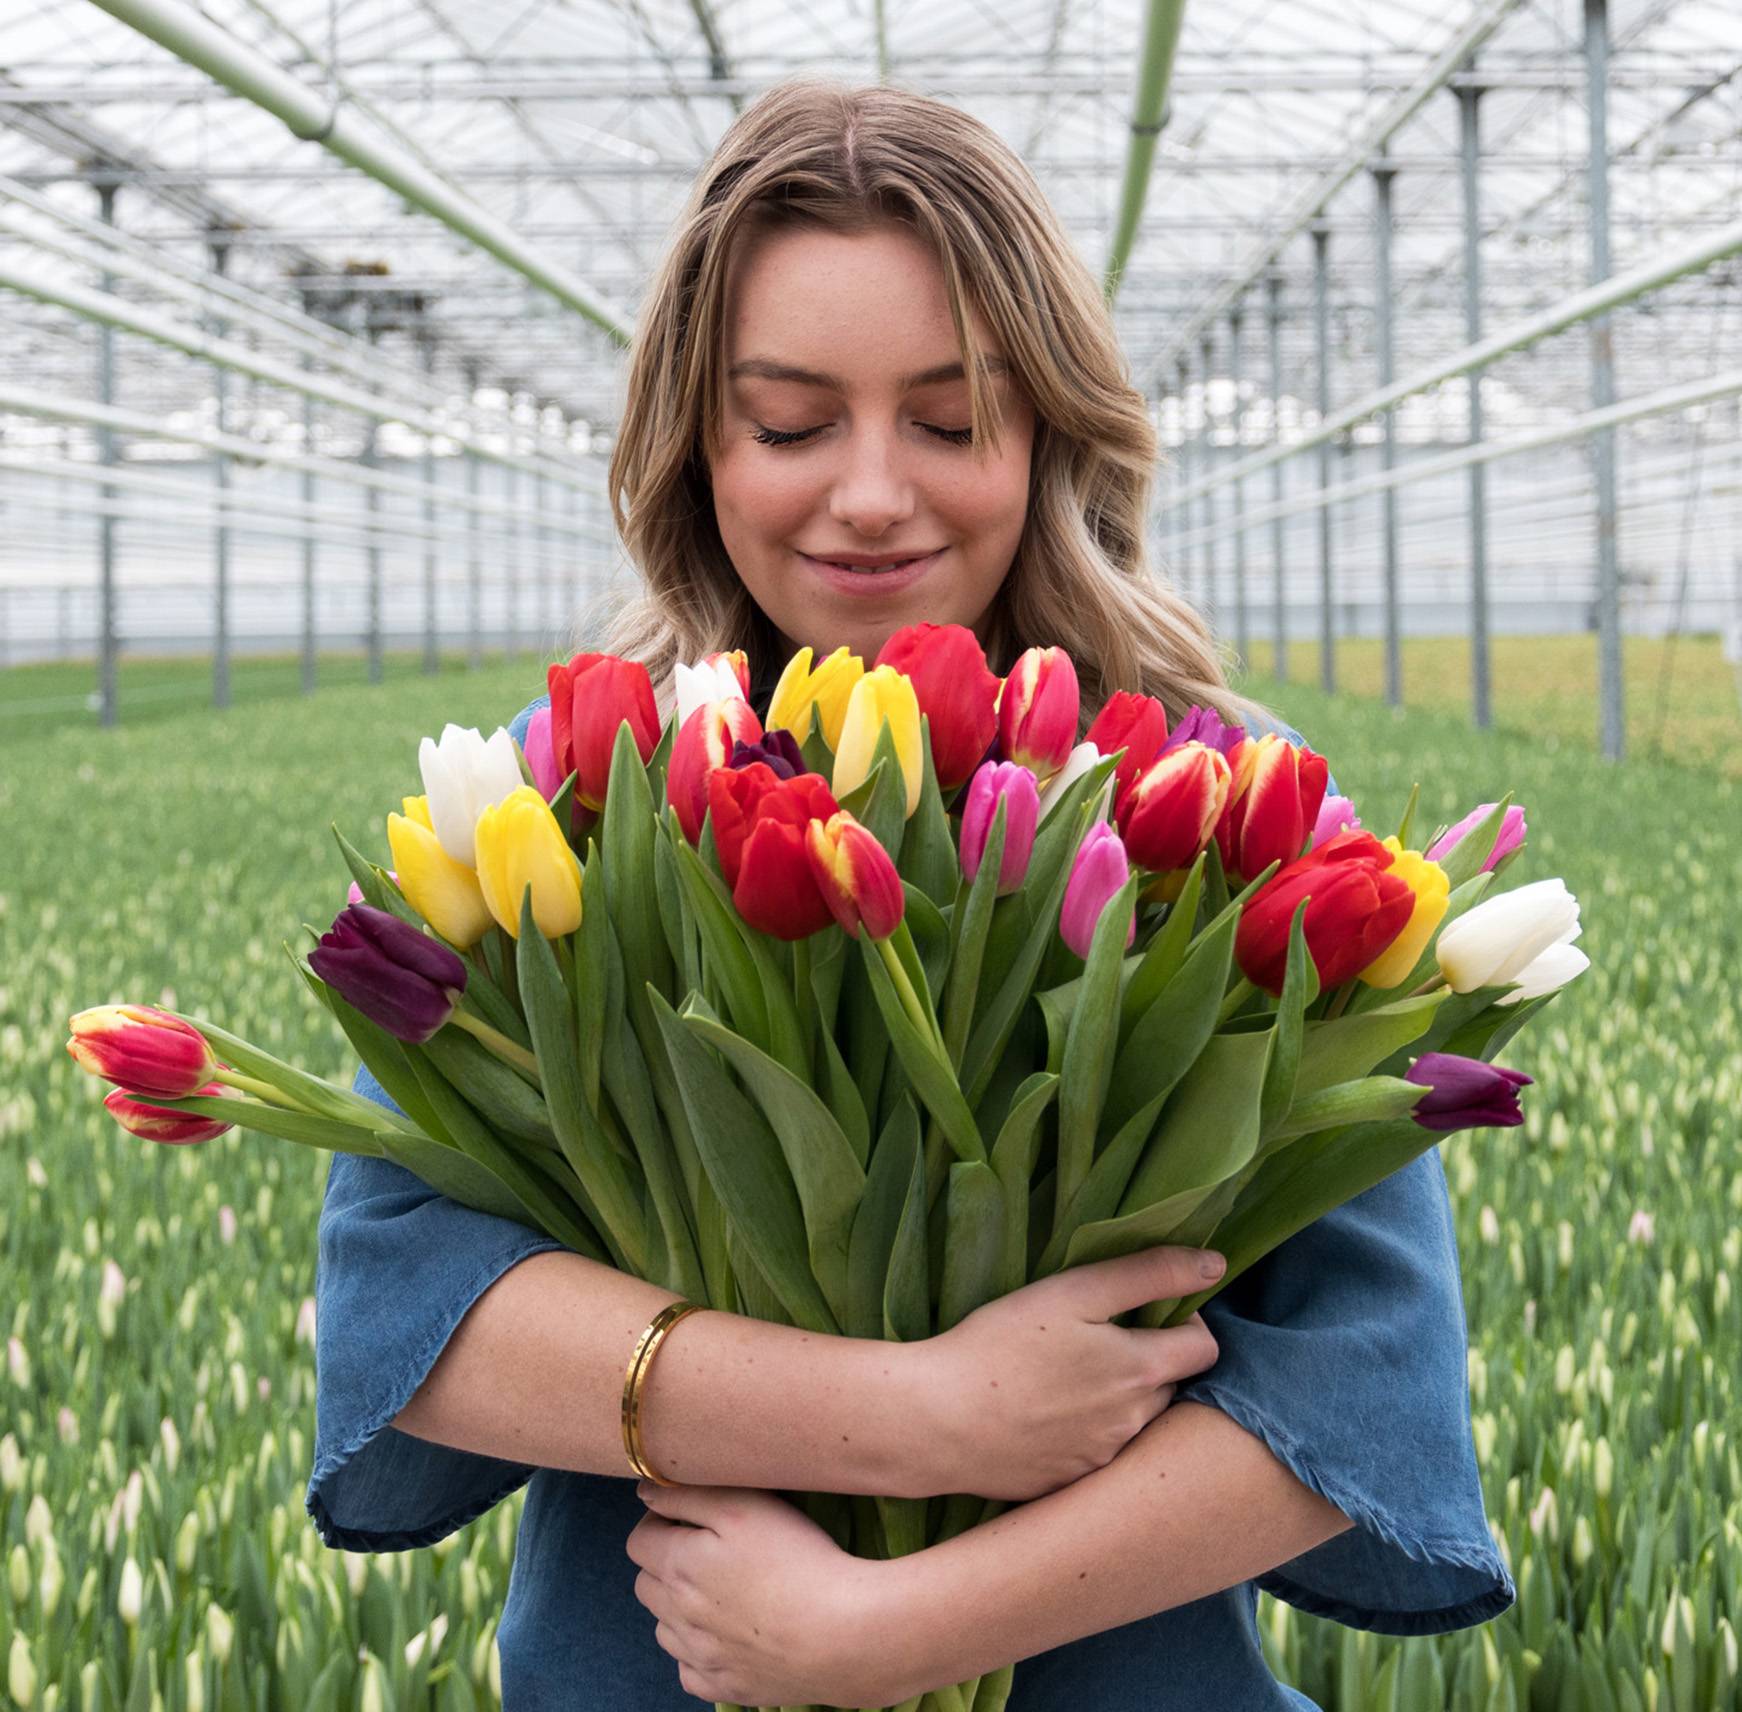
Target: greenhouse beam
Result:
[[1161, 30], [1470, 150]]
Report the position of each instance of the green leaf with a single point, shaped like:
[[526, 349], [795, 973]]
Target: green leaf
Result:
[[725, 949], [1103, 1188], [1372, 1099], [749, 1173], [592, 977], [969, 922], [907, 1288], [893, 1163], [879, 801], [974, 1241], [1300, 986], [309, 1129], [928, 851], [627, 835], [1013, 1158], [1350, 1046], [1165, 954], [931, 937], [1405, 825], [495, 1090]]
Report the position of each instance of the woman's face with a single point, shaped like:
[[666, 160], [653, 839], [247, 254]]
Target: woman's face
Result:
[[845, 439]]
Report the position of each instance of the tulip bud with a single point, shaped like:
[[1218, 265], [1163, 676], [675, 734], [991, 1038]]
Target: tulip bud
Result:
[[855, 876], [734, 660], [1273, 804], [1082, 759], [704, 741], [776, 750], [1547, 972], [957, 693], [1038, 711], [712, 679], [1494, 943], [540, 756], [130, 1601], [396, 975], [1135, 723], [1204, 725], [1171, 809], [802, 691], [881, 696], [1465, 1093], [462, 775], [443, 891], [143, 1050], [164, 1125], [1336, 814], [760, 824], [1098, 874], [1510, 836], [21, 1673], [520, 846], [1001, 782], [590, 700], [354, 892], [1432, 889]]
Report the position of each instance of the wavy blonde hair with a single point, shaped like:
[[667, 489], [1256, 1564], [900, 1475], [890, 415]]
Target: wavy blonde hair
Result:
[[818, 153]]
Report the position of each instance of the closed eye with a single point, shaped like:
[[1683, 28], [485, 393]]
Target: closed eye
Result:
[[795, 436]]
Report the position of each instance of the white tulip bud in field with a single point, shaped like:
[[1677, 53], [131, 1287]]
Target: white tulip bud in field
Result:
[[1545, 1516], [53, 1580], [18, 1363], [1642, 1227], [220, 1633], [1488, 1225], [18, 1574], [132, 1500], [305, 1321], [34, 1173], [1492, 944], [468, 1588], [66, 1426], [195, 1699], [226, 1225], [38, 1521], [430, 1638], [187, 1543], [1602, 1469], [21, 1673], [88, 1684], [356, 1572], [114, 1286], [11, 1465], [373, 1697], [130, 1601], [171, 1444], [463, 774], [87, 1595], [1727, 1652], [1583, 1546]]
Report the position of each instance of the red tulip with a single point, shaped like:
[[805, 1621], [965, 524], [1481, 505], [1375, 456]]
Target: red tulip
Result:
[[703, 742], [1037, 713], [161, 1124], [1273, 805], [1356, 910], [141, 1049], [1135, 723], [590, 698], [1171, 809], [759, 824], [956, 692], [855, 876]]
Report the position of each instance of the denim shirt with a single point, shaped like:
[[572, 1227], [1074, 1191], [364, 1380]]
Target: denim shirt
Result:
[[1343, 1351]]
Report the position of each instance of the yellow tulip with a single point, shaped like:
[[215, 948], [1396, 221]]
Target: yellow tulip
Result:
[[444, 892], [827, 690], [520, 845], [882, 694], [1432, 889]]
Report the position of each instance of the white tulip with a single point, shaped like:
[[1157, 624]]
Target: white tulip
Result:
[[462, 776], [1080, 760], [1547, 973], [702, 683], [131, 1599], [1491, 945]]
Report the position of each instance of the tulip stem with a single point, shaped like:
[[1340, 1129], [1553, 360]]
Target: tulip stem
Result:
[[921, 1014], [1238, 994], [499, 1043], [259, 1089], [1431, 985], [1340, 1002]]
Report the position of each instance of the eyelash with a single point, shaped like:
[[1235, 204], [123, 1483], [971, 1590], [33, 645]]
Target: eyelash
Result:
[[793, 437]]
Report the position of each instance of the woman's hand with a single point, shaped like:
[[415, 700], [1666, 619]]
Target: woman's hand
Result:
[[757, 1604], [1037, 1388]]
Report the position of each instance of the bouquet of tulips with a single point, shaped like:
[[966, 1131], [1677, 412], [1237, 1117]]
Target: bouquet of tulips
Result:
[[860, 1013]]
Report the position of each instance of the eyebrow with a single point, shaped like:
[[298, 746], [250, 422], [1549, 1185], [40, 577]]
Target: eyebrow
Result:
[[766, 369]]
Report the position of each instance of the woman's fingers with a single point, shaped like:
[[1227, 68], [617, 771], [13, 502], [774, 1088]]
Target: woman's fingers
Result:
[[1177, 1352], [1104, 1288], [650, 1545], [700, 1506]]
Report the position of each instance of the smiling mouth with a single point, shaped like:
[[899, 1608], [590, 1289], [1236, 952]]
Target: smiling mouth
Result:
[[875, 570]]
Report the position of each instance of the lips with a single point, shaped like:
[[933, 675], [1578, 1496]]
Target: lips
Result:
[[872, 567]]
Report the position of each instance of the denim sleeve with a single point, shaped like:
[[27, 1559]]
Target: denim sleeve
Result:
[[1345, 1351]]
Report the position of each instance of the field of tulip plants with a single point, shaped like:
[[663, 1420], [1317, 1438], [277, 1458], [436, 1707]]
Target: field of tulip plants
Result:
[[158, 1389]]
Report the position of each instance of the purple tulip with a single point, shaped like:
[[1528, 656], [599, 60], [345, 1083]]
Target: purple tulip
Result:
[[540, 757], [1204, 725], [1335, 815], [1512, 831], [776, 750], [1465, 1092], [395, 974], [1017, 789], [1098, 872]]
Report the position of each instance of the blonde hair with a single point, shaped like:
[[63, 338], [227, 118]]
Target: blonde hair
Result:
[[814, 152]]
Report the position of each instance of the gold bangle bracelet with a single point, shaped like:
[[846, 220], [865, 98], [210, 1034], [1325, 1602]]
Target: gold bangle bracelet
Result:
[[635, 1377]]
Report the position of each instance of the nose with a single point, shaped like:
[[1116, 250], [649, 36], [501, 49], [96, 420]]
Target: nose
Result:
[[871, 491]]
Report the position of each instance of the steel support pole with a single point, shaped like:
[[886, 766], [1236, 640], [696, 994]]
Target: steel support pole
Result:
[[1609, 688], [310, 549], [1322, 342], [1278, 526], [1236, 374], [1470, 133], [474, 559], [516, 547], [1182, 554], [541, 560], [1208, 603], [431, 646], [220, 255], [372, 553], [1386, 340], [108, 635]]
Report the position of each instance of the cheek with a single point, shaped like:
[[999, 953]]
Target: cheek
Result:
[[760, 495]]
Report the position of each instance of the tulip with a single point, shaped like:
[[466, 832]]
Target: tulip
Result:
[[1465, 1093], [590, 699], [714, 678], [462, 775], [1357, 909], [162, 1124], [825, 690], [395, 974], [776, 750], [1171, 809], [956, 692], [760, 824], [1098, 874], [1082, 759], [737, 662], [1511, 834], [354, 892], [540, 756], [1547, 972], [444, 892], [855, 876], [1428, 881], [1494, 943], [1204, 725], [996, 782], [520, 846], [1336, 814], [883, 694], [1135, 723], [708, 738], [1273, 805], [142, 1049], [1038, 710]]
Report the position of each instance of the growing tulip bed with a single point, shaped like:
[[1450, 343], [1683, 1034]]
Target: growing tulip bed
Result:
[[159, 1382]]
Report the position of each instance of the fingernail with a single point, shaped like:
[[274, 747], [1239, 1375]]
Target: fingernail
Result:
[[1212, 1265]]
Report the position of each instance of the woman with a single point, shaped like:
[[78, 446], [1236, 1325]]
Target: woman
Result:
[[873, 384]]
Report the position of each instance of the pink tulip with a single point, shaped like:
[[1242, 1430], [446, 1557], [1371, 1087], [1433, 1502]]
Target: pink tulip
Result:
[[354, 892], [1337, 814], [1098, 873], [1512, 830], [540, 757], [1014, 786]]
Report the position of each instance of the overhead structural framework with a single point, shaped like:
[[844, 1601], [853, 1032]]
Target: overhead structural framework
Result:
[[1161, 32], [310, 116]]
